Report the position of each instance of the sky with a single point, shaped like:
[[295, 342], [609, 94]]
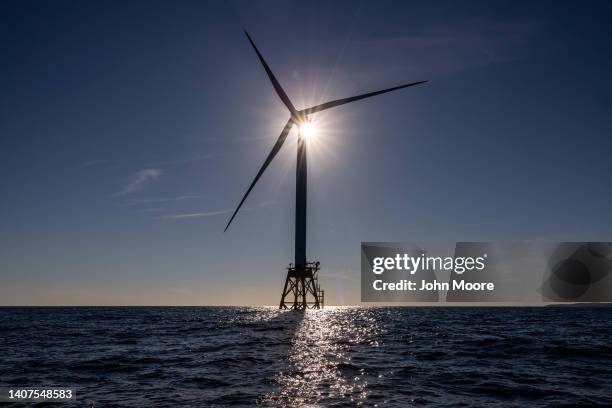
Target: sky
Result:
[[129, 131]]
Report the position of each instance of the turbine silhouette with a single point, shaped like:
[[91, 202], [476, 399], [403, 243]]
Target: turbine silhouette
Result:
[[301, 277]]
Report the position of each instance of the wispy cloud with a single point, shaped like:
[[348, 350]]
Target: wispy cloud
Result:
[[212, 213], [138, 201], [196, 215], [450, 47], [140, 180]]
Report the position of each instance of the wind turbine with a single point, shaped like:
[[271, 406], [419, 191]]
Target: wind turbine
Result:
[[302, 275]]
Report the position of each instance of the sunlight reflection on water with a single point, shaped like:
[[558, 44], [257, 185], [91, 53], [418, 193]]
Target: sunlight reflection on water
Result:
[[320, 364]]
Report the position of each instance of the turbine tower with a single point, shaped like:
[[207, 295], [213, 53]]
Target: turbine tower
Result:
[[301, 289]]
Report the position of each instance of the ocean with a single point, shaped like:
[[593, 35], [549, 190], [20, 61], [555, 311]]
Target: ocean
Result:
[[337, 357]]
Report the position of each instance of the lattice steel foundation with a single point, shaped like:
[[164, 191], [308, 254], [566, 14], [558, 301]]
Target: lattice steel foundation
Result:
[[302, 290]]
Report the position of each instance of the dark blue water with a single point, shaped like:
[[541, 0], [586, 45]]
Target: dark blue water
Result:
[[203, 357]]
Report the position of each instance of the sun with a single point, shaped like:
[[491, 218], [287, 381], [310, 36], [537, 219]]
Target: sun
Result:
[[308, 130]]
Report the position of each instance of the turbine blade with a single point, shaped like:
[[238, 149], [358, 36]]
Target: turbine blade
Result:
[[338, 102], [273, 152], [277, 87]]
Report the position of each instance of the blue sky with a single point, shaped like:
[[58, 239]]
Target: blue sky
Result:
[[131, 130]]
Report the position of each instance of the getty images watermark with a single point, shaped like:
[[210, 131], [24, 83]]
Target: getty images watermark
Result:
[[523, 272], [412, 264]]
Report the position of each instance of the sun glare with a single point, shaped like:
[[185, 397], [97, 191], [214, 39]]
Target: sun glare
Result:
[[308, 130]]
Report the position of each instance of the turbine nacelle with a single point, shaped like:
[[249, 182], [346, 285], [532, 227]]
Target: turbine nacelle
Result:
[[299, 118]]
